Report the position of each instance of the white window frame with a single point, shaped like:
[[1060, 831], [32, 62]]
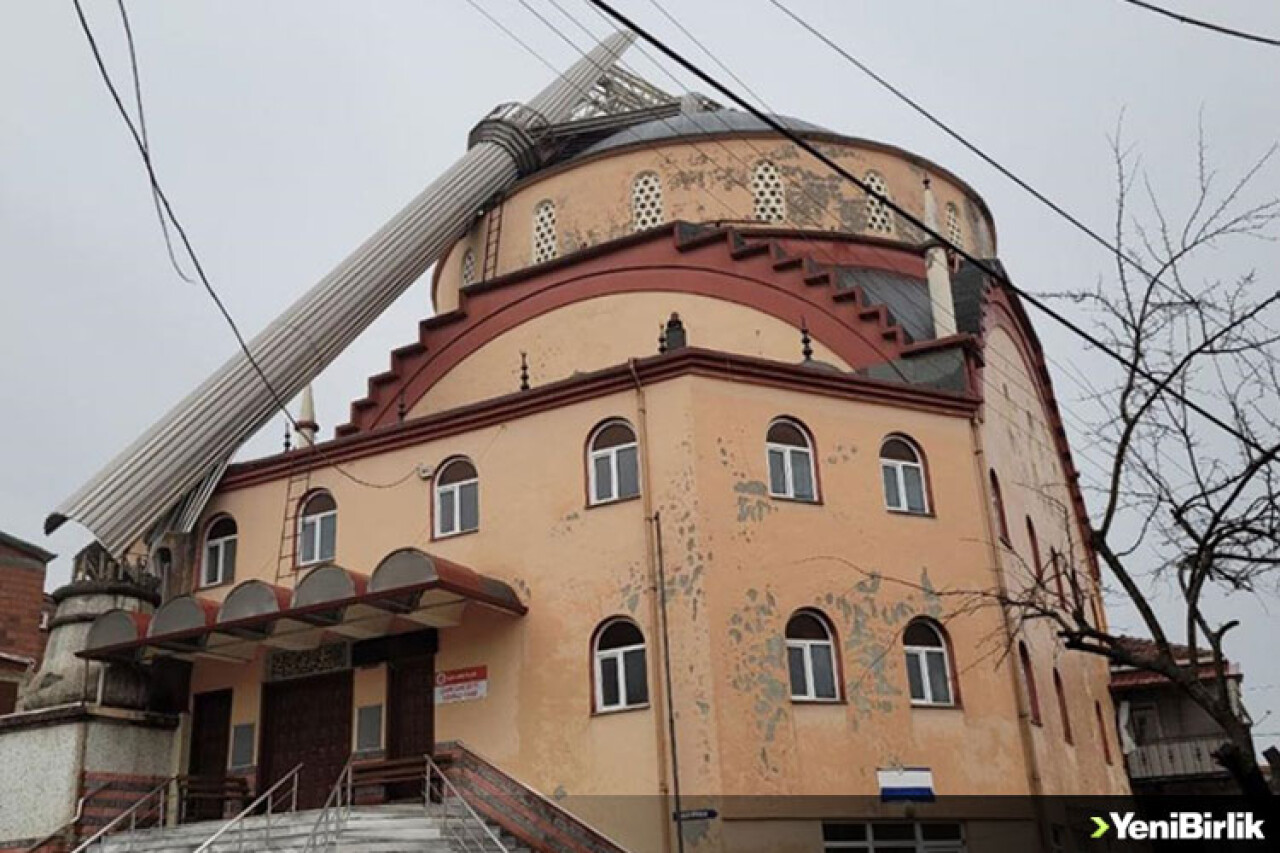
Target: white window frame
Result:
[[316, 520], [806, 652], [917, 845], [221, 545], [610, 453], [898, 467], [619, 655], [788, 468], [922, 653], [454, 491]]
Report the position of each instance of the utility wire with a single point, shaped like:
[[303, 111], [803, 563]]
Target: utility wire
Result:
[[1196, 22], [159, 192], [1161, 385]]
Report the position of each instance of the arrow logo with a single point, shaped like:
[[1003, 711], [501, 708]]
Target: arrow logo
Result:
[[1103, 826]]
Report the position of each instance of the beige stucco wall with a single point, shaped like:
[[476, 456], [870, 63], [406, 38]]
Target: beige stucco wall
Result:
[[709, 180], [607, 330], [1018, 445]]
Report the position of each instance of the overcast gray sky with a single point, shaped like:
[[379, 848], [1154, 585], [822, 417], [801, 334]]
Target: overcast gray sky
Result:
[[286, 132]]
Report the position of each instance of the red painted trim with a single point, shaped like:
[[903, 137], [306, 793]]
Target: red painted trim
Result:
[[611, 380]]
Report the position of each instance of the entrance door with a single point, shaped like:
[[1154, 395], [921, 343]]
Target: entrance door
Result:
[[306, 720], [210, 734], [411, 723]]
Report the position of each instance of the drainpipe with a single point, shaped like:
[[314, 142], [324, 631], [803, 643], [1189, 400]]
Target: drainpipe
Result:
[[661, 703], [1024, 712]]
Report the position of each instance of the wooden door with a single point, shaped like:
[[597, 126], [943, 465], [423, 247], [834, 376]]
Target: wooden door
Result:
[[307, 721], [210, 735], [410, 715]]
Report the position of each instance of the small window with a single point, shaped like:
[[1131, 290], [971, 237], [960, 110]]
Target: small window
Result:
[[621, 676], [368, 728], [457, 498], [318, 529], [545, 246], [997, 508], [769, 199], [613, 463], [928, 666], [646, 201], [219, 552], [811, 658], [1037, 568], [955, 234], [1055, 560], [895, 836], [1062, 707], [791, 472], [468, 267], [903, 474], [1102, 731], [1029, 677], [879, 215]]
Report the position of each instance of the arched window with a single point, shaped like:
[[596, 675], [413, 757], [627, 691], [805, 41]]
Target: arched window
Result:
[[928, 666], [219, 552], [903, 474], [545, 245], [791, 472], [1029, 676], [646, 201], [1062, 707], [811, 658], [621, 675], [468, 267], [997, 508], [457, 498], [1037, 568], [1057, 569], [1102, 731], [769, 198], [954, 232], [317, 529], [613, 466], [879, 216]]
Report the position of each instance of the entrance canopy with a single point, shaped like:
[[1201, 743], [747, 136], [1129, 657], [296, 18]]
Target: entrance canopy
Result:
[[407, 590]]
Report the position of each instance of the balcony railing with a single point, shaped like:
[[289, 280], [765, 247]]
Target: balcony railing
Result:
[[1176, 757]]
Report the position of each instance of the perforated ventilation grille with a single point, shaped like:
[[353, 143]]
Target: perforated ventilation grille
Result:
[[766, 188], [646, 201], [954, 232], [544, 232], [468, 268], [879, 216]]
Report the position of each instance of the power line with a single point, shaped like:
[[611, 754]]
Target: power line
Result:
[[1161, 386], [159, 193], [1208, 25]]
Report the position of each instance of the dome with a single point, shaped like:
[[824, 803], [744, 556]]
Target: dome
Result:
[[696, 124]]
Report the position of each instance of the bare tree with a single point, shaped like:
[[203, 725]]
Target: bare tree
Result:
[[1186, 503]]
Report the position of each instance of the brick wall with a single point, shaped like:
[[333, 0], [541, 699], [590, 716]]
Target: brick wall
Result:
[[21, 597]]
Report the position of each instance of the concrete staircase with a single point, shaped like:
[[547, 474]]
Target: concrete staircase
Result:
[[370, 829]]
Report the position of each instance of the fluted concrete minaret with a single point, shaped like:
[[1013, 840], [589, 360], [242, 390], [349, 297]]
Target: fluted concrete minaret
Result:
[[306, 423], [938, 272]]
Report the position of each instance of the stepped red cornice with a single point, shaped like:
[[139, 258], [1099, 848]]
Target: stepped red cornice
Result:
[[749, 269]]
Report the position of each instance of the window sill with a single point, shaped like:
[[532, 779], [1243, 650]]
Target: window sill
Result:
[[303, 567], [802, 501], [935, 706], [910, 513], [436, 537], [205, 586], [602, 504], [609, 712], [815, 700]]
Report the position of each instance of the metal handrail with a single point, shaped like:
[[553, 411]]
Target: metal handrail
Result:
[[334, 813], [132, 814], [473, 833], [267, 797], [75, 818]]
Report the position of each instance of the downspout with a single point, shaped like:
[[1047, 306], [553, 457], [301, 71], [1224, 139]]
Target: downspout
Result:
[[1024, 713], [661, 704]]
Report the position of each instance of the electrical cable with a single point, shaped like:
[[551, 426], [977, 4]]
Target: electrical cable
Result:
[[1197, 22]]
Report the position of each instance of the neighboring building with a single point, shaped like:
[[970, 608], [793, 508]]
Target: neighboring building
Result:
[[1168, 739], [22, 629], [681, 358]]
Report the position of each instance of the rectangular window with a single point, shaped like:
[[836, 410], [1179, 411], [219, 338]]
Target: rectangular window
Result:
[[939, 678], [915, 677], [899, 837], [802, 474], [448, 511], [637, 683], [799, 678], [610, 692], [913, 485], [778, 473], [242, 745], [212, 564], [469, 497], [603, 477], [369, 728], [892, 497], [824, 671], [628, 472], [328, 536]]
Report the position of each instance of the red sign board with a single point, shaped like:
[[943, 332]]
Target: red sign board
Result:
[[462, 685]]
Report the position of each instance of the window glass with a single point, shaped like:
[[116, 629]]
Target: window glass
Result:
[[892, 498], [893, 831], [308, 540], [328, 537], [913, 483], [620, 634], [921, 634], [212, 559], [628, 473], [824, 672], [785, 432], [221, 528], [795, 664], [802, 471], [915, 678], [469, 497], [939, 682], [637, 685], [777, 472], [448, 523], [609, 682], [604, 478], [613, 435]]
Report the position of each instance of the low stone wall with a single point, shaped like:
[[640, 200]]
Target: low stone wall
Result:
[[521, 811]]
